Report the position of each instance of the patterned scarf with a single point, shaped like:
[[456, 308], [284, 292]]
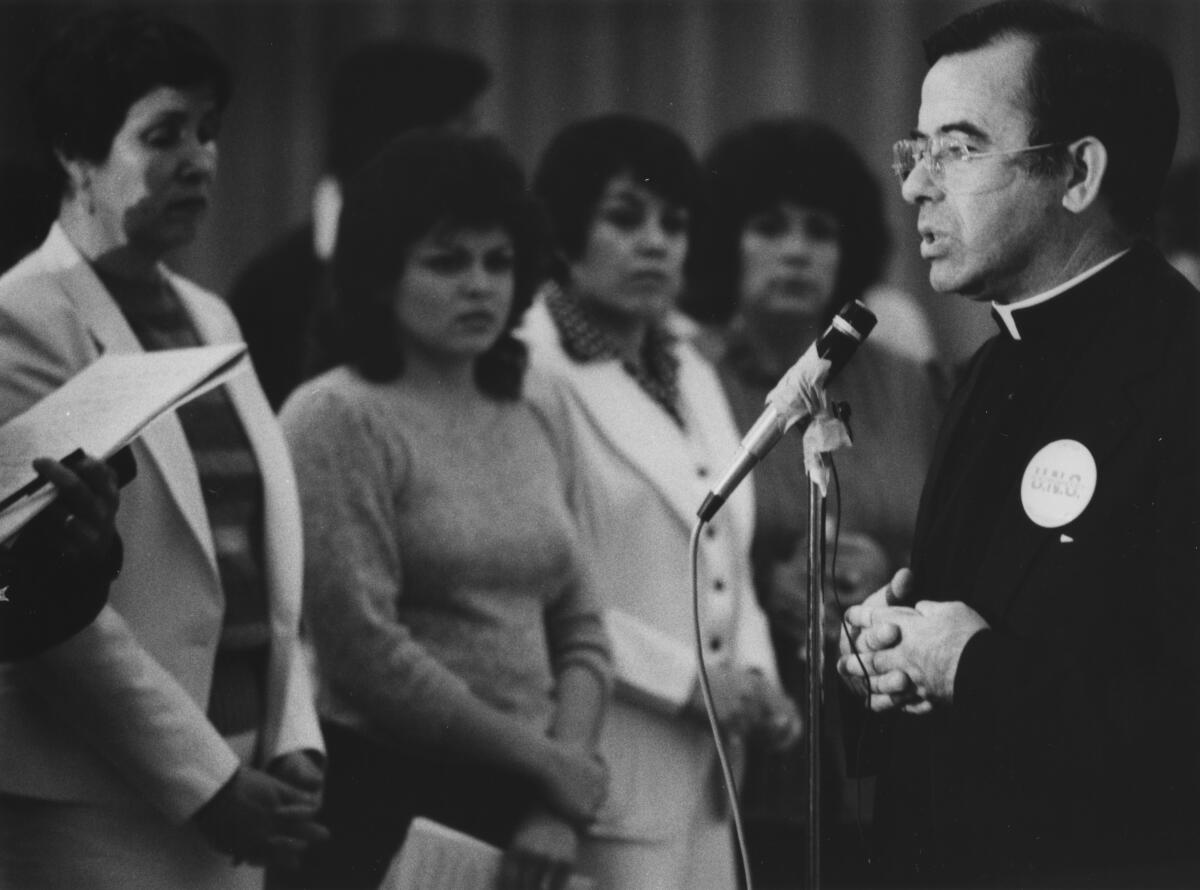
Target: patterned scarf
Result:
[[657, 374], [231, 484]]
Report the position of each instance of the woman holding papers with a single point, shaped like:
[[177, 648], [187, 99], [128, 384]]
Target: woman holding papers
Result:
[[651, 428], [173, 741], [461, 658], [54, 574]]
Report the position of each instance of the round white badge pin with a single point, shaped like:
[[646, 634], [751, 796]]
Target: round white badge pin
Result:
[[1058, 483]]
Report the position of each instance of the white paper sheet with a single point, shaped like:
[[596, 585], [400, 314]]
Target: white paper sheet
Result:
[[102, 408], [435, 857]]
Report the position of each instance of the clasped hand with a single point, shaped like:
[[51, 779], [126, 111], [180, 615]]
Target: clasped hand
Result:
[[861, 567], [573, 779], [542, 854], [905, 657], [267, 817], [746, 703], [574, 782]]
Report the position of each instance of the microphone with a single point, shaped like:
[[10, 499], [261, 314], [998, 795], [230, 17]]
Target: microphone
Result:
[[787, 403]]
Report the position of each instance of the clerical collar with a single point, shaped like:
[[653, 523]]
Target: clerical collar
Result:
[[1006, 313]]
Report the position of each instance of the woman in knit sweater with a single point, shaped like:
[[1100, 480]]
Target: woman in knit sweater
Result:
[[461, 659]]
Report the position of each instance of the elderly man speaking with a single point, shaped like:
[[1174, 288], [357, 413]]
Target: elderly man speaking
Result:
[[1037, 669]]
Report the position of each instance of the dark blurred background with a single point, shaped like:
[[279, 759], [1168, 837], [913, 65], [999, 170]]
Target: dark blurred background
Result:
[[699, 65]]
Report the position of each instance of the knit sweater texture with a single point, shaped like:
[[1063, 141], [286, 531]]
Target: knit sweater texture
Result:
[[442, 566]]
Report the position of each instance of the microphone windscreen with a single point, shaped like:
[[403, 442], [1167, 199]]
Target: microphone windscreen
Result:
[[849, 329]]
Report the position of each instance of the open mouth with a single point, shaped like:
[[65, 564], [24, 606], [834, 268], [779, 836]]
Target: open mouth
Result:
[[932, 247], [933, 242]]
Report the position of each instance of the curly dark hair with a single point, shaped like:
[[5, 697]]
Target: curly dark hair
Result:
[[794, 160], [586, 155], [423, 180], [85, 80]]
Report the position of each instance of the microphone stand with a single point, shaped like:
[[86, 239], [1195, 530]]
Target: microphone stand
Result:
[[814, 637], [815, 642]]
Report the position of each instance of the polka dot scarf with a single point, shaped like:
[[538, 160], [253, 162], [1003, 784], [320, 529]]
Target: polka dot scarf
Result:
[[657, 374]]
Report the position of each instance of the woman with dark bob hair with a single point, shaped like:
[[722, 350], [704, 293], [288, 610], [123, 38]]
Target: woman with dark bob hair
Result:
[[796, 231], [796, 160], [461, 659], [477, 186], [172, 742], [647, 418]]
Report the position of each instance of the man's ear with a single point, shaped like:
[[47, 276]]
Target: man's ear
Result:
[[1088, 162]]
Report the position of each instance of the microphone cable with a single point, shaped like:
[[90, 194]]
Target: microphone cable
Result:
[[711, 711], [863, 840], [815, 660]]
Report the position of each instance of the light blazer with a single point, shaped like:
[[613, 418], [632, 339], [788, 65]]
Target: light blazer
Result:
[[118, 712], [638, 484]]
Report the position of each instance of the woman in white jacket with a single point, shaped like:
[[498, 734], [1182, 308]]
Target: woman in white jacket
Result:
[[649, 429], [172, 742]]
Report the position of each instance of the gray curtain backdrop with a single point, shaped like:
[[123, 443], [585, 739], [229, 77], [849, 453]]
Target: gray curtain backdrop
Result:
[[699, 65]]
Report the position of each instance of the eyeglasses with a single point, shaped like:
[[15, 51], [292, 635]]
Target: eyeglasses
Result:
[[950, 163]]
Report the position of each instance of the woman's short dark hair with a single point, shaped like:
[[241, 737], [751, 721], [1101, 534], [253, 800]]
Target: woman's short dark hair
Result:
[[423, 180], [85, 80], [794, 160], [586, 155]]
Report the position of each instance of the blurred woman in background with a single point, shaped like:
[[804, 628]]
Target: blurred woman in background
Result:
[[460, 652], [796, 232], [173, 739], [651, 427]]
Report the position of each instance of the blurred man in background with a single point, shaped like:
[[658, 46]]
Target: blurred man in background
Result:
[[283, 298]]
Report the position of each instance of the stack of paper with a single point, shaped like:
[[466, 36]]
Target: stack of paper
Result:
[[100, 410], [649, 667], [435, 857]]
